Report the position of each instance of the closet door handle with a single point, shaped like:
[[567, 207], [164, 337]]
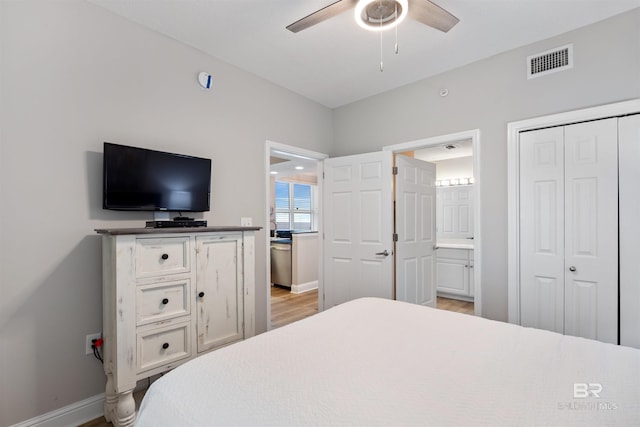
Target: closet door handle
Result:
[[572, 268]]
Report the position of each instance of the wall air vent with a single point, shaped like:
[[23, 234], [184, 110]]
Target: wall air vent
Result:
[[551, 61]]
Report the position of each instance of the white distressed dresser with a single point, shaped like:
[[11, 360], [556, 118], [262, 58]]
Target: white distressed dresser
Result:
[[170, 295]]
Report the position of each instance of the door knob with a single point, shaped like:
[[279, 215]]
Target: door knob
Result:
[[385, 253], [572, 268]]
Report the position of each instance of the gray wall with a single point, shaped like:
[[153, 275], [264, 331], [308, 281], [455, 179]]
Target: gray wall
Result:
[[488, 95], [72, 76]]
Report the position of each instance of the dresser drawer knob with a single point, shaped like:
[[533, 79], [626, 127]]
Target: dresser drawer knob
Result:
[[201, 294], [165, 345], [165, 256], [165, 301]]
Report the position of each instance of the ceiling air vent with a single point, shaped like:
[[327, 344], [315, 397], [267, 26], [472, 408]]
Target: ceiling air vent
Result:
[[551, 61]]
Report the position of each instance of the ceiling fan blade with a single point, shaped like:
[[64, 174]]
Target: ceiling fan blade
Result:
[[322, 15], [432, 15]]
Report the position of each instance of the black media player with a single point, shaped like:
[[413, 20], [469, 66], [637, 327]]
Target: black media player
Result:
[[176, 224]]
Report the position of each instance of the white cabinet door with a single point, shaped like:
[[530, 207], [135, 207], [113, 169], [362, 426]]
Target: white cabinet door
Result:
[[453, 276], [454, 272], [219, 290], [568, 229], [591, 231], [415, 226], [472, 286], [358, 227]]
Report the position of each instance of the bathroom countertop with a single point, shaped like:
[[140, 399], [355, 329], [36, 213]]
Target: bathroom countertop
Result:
[[455, 244], [279, 240]]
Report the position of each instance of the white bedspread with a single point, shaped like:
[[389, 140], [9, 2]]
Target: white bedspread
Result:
[[374, 362]]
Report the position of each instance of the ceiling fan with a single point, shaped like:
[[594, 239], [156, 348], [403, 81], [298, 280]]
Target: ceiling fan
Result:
[[378, 15]]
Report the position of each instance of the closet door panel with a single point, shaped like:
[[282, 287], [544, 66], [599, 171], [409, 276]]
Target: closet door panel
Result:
[[582, 308], [591, 230], [629, 147], [541, 229]]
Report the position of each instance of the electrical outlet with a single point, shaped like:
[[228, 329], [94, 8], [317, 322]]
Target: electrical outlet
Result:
[[246, 222], [89, 340]]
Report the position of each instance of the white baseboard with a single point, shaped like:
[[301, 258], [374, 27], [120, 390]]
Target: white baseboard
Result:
[[69, 416], [304, 287], [454, 296]]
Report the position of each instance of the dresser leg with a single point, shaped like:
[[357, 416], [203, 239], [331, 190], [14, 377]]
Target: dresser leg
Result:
[[110, 399], [119, 408], [125, 413]]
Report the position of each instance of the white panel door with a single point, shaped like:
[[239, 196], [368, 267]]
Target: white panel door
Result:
[[542, 229], [219, 290], [591, 231], [454, 217], [416, 229], [629, 178], [358, 227]]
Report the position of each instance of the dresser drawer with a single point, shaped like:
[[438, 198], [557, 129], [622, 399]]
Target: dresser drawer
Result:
[[156, 257], [157, 347], [162, 301]]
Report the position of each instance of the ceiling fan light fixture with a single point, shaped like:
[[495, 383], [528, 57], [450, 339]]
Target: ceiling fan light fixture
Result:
[[380, 15]]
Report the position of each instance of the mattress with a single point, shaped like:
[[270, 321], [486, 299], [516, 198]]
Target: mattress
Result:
[[376, 362]]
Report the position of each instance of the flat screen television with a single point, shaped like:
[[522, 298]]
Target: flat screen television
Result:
[[138, 179]]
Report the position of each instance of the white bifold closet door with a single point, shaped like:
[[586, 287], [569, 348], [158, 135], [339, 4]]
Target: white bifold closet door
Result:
[[629, 128], [569, 229]]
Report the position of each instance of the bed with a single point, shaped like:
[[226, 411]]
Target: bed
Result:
[[376, 362]]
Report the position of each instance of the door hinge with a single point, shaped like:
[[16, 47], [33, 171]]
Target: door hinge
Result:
[[322, 175], [395, 170], [395, 237]]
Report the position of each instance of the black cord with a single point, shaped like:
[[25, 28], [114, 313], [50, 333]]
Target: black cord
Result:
[[96, 354]]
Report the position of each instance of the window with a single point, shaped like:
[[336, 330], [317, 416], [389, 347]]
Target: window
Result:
[[294, 206]]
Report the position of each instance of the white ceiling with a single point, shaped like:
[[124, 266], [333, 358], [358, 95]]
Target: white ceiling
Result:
[[336, 62], [285, 164], [463, 148]]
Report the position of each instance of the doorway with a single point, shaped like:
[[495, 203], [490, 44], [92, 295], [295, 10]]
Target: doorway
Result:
[[293, 224], [458, 217], [277, 149]]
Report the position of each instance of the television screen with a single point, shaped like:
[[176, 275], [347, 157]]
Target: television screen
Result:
[[147, 180]]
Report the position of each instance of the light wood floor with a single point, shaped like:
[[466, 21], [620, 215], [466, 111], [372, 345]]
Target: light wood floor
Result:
[[287, 307], [455, 305]]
